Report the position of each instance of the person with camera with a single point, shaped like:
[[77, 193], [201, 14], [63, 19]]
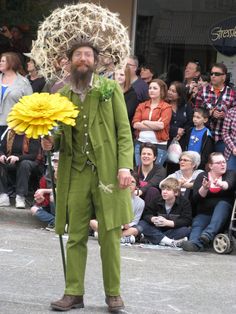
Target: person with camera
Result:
[[217, 98]]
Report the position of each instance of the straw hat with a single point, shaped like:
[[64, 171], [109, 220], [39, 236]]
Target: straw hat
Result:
[[78, 23]]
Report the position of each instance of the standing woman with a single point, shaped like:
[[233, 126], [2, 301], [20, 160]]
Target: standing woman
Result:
[[151, 121], [123, 77], [12, 85], [182, 112], [182, 117]]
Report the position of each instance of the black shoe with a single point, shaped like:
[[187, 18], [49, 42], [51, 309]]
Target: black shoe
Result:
[[190, 246], [204, 239]]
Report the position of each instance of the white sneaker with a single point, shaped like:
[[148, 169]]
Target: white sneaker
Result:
[[4, 200], [20, 201], [129, 239]]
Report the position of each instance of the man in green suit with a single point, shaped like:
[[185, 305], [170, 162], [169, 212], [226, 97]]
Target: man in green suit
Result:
[[93, 176]]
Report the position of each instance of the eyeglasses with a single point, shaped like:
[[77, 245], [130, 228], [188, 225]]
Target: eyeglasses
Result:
[[217, 73], [131, 65], [185, 160], [223, 162]]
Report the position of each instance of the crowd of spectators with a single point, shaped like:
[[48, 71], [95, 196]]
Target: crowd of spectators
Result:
[[184, 203]]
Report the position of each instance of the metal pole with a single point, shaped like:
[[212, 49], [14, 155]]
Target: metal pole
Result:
[[48, 154]]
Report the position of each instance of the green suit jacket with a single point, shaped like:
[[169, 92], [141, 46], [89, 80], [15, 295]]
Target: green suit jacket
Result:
[[111, 139]]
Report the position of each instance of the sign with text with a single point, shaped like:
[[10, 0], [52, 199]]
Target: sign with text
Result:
[[223, 36]]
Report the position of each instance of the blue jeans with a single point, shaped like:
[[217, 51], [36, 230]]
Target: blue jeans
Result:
[[43, 215], [210, 225], [161, 154], [231, 163], [155, 234]]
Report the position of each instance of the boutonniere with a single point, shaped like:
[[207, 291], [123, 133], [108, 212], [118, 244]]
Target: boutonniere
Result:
[[105, 88]]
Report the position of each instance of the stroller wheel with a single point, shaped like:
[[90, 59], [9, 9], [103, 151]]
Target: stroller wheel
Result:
[[222, 244]]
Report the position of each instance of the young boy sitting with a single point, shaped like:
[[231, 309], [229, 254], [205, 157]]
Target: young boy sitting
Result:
[[199, 137], [167, 218]]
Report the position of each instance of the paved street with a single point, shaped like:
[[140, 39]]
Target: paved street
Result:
[[153, 281]]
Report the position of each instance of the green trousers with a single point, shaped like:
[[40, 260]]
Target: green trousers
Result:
[[83, 201]]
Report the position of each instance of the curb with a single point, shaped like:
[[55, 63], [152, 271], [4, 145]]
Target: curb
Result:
[[16, 216]]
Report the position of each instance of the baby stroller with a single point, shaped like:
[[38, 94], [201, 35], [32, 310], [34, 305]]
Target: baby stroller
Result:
[[223, 242]]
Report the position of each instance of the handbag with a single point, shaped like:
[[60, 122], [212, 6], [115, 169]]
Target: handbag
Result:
[[174, 151]]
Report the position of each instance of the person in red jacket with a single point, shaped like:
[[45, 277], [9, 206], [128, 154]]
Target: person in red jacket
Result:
[[152, 121]]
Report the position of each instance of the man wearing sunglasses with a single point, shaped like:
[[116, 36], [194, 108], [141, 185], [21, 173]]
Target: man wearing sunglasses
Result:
[[218, 99]]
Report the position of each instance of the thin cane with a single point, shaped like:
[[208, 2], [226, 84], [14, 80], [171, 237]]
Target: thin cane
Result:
[[54, 197]]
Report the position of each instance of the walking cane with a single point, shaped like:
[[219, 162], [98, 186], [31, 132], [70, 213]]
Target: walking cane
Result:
[[48, 153]]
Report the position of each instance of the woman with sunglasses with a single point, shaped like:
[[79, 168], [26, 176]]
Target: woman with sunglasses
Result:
[[213, 194]]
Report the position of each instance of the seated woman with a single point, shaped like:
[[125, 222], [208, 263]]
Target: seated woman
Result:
[[168, 217], [151, 121], [188, 163], [19, 157], [149, 174], [213, 193]]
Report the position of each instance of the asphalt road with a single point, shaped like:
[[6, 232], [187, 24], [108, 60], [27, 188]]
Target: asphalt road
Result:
[[153, 280]]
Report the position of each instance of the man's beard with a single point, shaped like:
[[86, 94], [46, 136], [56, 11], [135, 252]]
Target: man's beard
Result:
[[81, 79]]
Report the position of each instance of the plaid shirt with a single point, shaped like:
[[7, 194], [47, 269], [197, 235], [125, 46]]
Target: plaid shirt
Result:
[[229, 132], [207, 98]]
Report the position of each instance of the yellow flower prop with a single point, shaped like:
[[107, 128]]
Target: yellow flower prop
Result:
[[37, 114]]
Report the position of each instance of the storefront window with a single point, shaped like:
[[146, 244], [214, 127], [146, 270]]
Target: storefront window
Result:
[[170, 33]]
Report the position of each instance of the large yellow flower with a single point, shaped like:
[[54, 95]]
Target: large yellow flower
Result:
[[37, 114]]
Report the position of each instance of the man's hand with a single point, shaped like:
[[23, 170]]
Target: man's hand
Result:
[[124, 178], [47, 143]]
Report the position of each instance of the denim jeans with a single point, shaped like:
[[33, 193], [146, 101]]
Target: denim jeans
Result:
[[231, 163], [210, 225], [155, 234], [161, 154], [43, 215]]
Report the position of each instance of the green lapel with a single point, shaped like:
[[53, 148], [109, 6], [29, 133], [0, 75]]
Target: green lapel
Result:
[[93, 98]]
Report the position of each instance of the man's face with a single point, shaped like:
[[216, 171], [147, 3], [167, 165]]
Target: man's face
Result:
[[83, 59], [191, 71], [217, 77], [132, 65], [146, 75]]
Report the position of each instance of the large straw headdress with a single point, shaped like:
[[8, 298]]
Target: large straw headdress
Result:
[[82, 22]]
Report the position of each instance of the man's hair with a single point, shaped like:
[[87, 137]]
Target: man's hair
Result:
[[203, 112], [221, 66], [170, 184], [84, 44], [197, 63], [133, 57]]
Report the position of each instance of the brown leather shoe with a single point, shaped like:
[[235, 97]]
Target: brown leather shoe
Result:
[[68, 302], [115, 304]]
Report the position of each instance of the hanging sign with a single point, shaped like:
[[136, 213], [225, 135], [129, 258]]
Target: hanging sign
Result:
[[223, 36]]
